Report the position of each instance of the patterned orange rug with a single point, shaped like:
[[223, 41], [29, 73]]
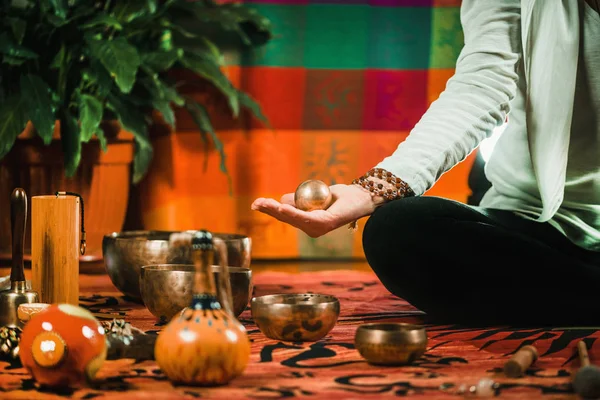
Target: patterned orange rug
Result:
[[332, 368]]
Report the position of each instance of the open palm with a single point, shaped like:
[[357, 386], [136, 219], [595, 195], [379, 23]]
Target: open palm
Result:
[[350, 203]]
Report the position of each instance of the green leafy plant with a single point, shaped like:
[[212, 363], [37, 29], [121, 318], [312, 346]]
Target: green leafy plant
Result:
[[82, 62]]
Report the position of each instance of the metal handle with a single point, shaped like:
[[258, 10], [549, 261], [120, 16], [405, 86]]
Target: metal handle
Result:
[[18, 219]]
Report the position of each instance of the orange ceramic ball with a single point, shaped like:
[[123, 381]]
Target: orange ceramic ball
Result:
[[63, 346]]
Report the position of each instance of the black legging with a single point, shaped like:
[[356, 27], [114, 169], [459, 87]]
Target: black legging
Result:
[[466, 265]]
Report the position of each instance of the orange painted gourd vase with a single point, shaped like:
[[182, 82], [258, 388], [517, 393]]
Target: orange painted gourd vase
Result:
[[204, 345], [63, 346]]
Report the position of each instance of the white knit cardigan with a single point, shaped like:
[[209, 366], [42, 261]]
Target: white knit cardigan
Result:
[[544, 35]]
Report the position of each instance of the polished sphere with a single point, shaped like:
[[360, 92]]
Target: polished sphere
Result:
[[313, 195]]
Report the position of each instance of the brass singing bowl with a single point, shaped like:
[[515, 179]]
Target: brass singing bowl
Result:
[[126, 252], [26, 311], [167, 289], [295, 317], [390, 343]]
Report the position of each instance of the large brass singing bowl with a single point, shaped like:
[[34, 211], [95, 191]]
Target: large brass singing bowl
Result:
[[126, 252], [295, 317], [390, 343], [168, 289]]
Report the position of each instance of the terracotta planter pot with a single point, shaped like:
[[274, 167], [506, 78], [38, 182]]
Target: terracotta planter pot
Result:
[[103, 179]]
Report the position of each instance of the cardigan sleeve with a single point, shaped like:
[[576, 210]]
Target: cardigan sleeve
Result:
[[475, 101]]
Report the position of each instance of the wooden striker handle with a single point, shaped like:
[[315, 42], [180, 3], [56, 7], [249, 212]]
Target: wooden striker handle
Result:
[[18, 218], [520, 361], [584, 358]]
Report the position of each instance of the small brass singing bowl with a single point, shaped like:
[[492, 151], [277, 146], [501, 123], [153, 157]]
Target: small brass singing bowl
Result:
[[390, 343], [27, 310], [295, 317], [168, 288]]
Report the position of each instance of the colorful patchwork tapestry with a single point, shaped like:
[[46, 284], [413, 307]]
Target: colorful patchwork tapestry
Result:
[[342, 83], [456, 357]]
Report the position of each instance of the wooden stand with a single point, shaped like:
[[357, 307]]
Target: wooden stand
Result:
[[55, 230]]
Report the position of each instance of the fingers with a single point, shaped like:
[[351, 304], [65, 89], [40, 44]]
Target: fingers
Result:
[[314, 223], [293, 212], [256, 204], [264, 202], [272, 207], [288, 199]]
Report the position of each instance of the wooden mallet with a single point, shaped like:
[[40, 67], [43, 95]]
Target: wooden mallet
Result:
[[587, 380], [520, 362]]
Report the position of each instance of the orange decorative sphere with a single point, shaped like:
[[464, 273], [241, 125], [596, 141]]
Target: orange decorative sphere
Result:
[[204, 347], [63, 346]]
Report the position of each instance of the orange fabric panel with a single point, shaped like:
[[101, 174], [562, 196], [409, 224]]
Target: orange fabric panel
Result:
[[269, 162], [184, 187], [377, 145], [454, 183], [280, 92], [437, 79]]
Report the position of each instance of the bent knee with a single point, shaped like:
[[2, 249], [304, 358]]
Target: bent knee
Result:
[[402, 228]]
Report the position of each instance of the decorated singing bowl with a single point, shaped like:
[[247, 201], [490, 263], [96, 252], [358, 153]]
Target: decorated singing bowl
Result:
[[167, 289], [295, 317], [26, 311], [126, 252], [390, 343]]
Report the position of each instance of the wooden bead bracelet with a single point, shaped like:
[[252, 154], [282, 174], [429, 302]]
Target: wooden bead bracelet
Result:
[[395, 188]]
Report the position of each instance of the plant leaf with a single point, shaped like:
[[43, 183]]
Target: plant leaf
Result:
[[166, 41], [9, 48], [58, 60], [82, 9], [60, 8], [202, 119], [205, 50], [152, 6], [250, 26], [119, 58], [160, 60], [18, 28], [141, 160], [161, 90], [56, 21], [90, 116], [248, 102], [102, 139], [100, 78], [127, 11], [38, 106], [130, 117], [177, 27], [12, 122], [164, 107], [161, 96], [134, 121], [10, 60], [213, 73], [71, 143], [104, 21]]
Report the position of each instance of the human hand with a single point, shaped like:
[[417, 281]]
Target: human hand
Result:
[[350, 202]]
